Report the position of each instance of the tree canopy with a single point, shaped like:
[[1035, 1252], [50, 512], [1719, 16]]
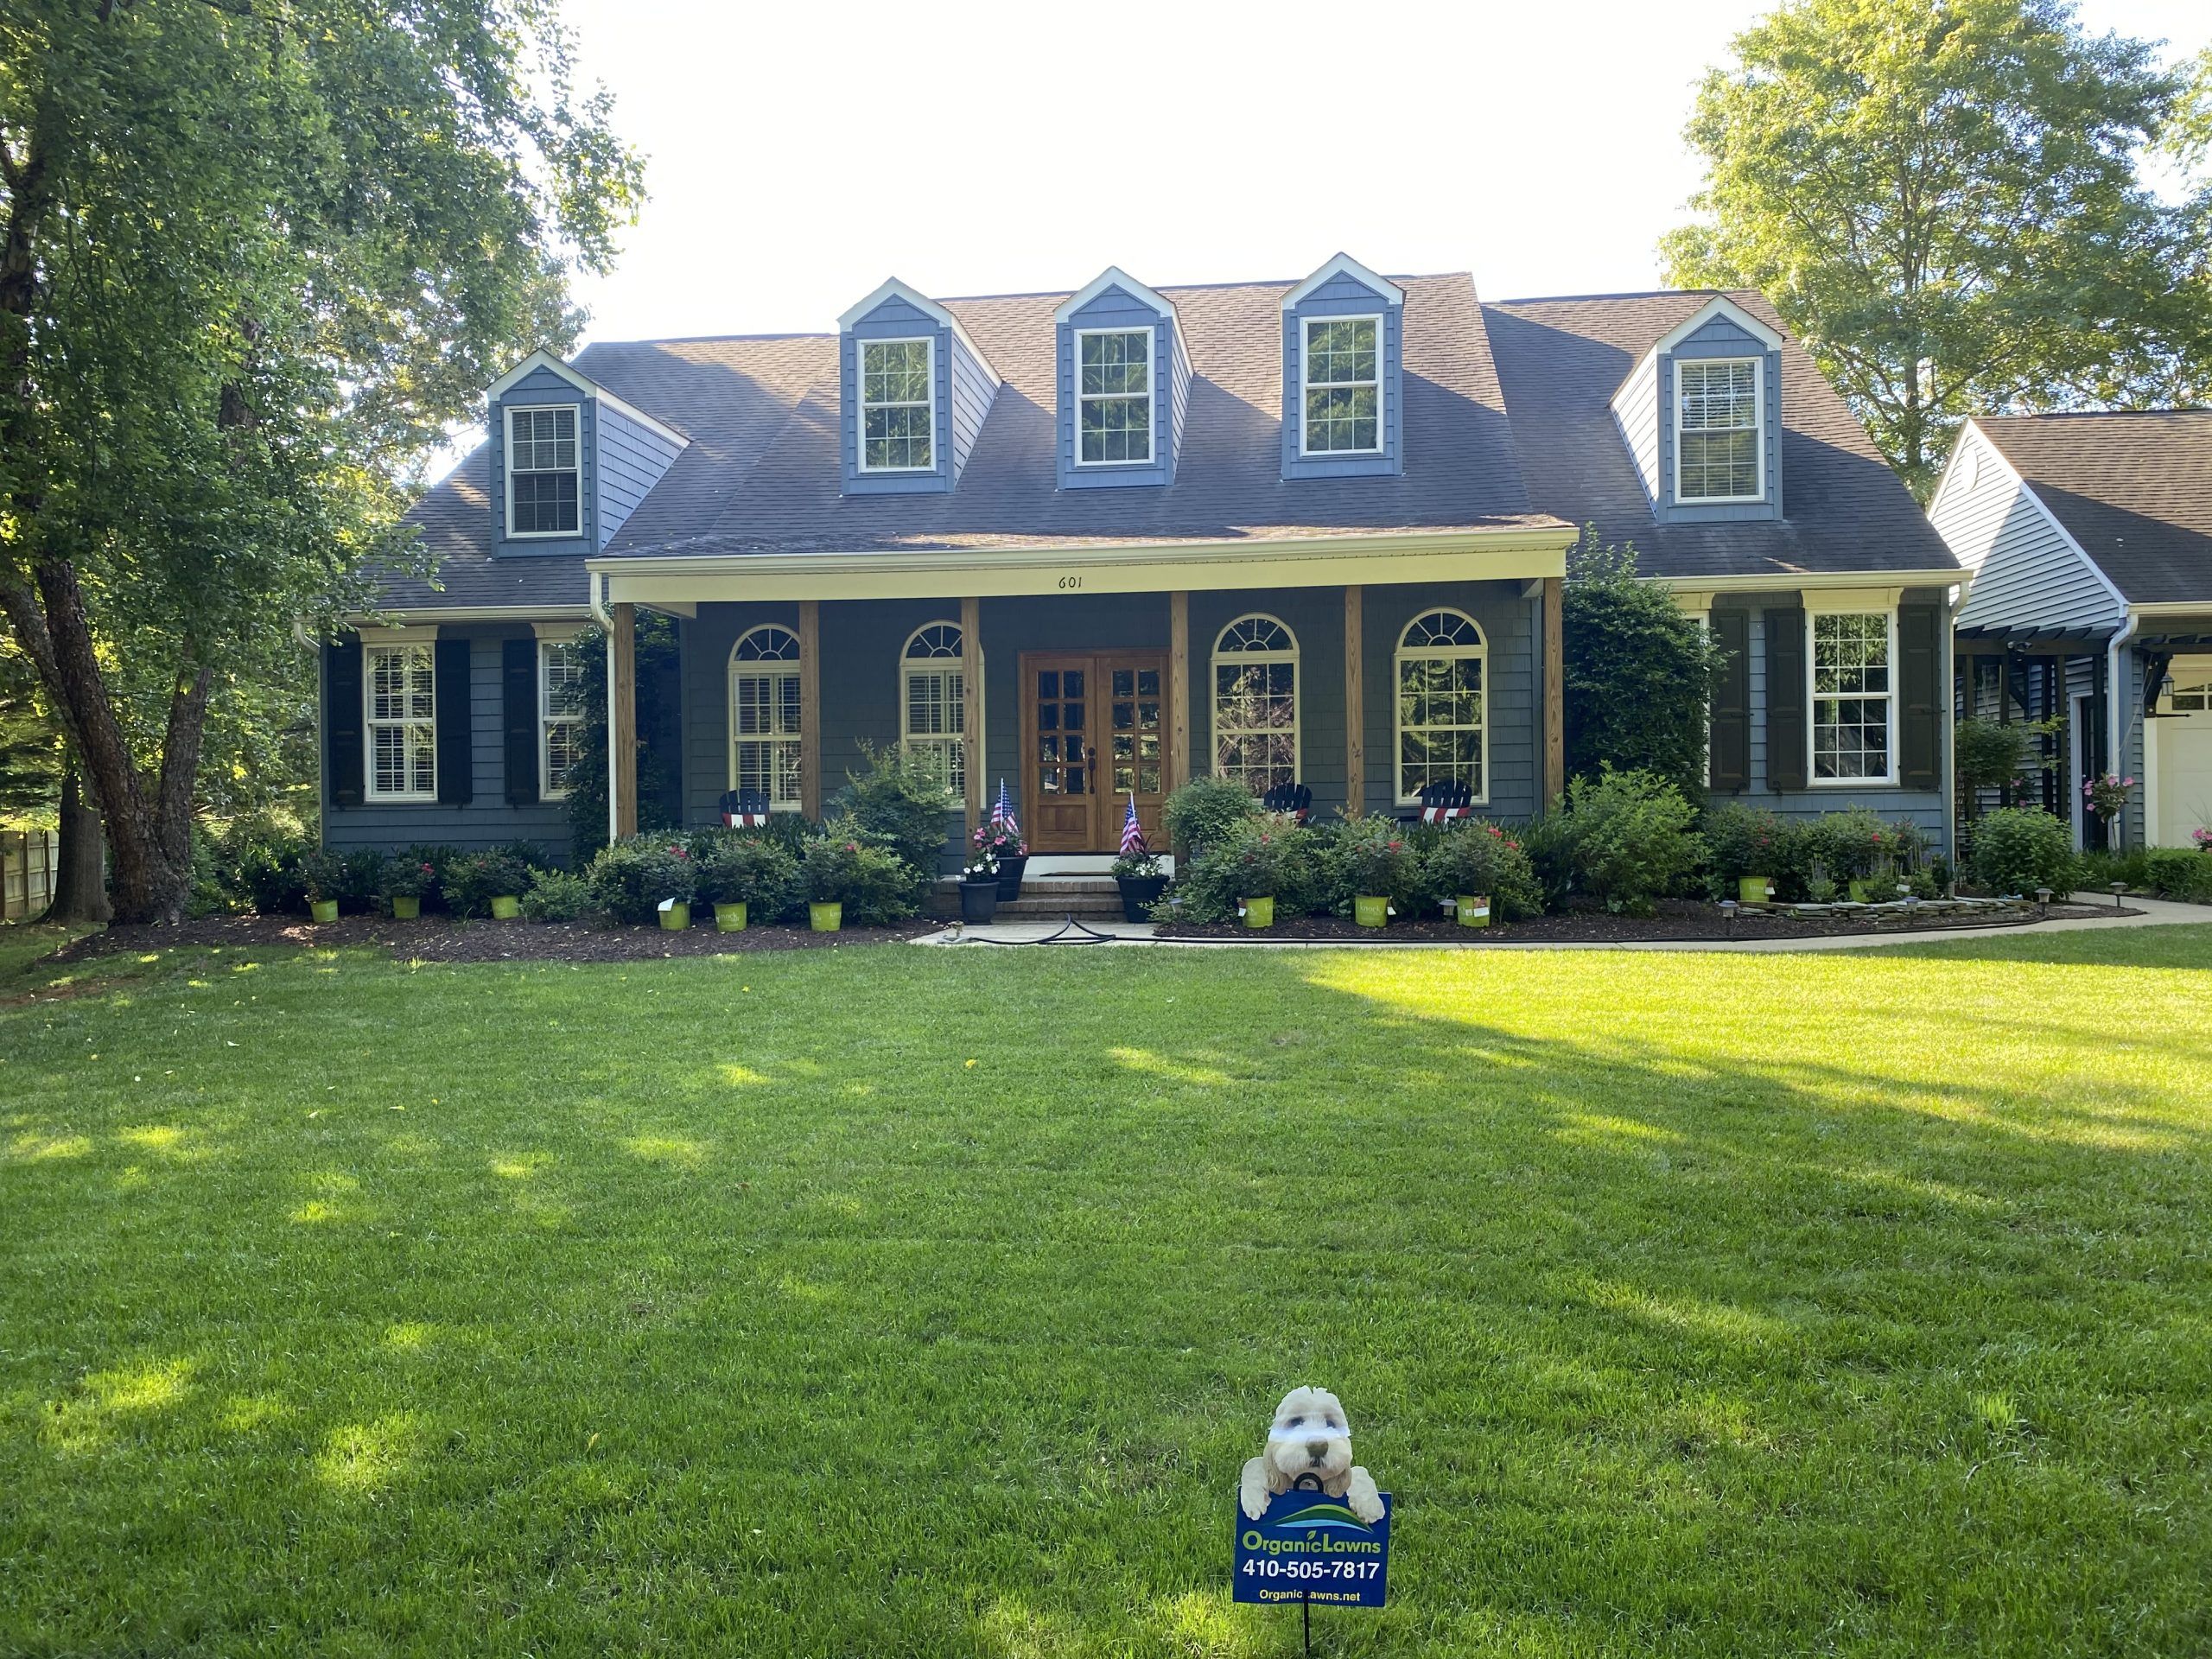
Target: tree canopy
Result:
[[1942, 199], [255, 256]]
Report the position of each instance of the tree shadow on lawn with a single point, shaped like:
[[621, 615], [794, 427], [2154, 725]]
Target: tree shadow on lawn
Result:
[[1733, 1325]]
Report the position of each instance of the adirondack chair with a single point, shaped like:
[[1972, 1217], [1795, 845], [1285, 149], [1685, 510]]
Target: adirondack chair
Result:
[[1294, 799], [1445, 801], [744, 809]]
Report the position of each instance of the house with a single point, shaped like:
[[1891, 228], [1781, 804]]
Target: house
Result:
[[2090, 538], [1084, 544]]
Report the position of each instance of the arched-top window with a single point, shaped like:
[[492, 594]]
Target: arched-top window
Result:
[[1255, 703], [764, 689], [934, 670], [1443, 714]]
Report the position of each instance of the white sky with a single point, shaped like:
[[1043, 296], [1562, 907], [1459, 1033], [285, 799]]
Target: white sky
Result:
[[798, 153]]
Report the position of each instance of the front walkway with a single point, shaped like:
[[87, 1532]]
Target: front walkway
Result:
[[2154, 912]]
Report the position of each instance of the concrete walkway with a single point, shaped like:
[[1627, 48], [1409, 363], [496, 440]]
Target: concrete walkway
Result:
[[2153, 912]]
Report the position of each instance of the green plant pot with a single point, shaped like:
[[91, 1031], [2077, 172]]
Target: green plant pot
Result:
[[1371, 912], [1862, 890], [1260, 913], [406, 907], [506, 908], [322, 910], [729, 919], [825, 918], [1474, 911], [1754, 889], [675, 917]]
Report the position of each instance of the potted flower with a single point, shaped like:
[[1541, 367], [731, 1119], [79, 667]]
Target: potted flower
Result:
[[319, 873], [1376, 865], [831, 868], [679, 882], [1262, 869], [2202, 836], [1142, 880], [2107, 797], [979, 887], [744, 877], [1477, 871], [1001, 841], [402, 884], [492, 881]]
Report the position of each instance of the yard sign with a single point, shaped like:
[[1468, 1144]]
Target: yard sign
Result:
[[1311, 1547]]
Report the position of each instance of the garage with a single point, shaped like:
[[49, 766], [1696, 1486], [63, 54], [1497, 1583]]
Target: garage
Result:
[[2180, 738]]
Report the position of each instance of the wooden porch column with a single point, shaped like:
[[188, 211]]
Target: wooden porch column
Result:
[[622, 717], [1355, 702], [1555, 692], [971, 713], [810, 707], [1179, 690]]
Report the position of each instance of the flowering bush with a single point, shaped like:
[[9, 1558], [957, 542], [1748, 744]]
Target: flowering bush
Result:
[[1268, 858], [2202, 836], [472, 883], [874, 885], [1480, 859], [2018, 849], [997, 842], [630, 878], [2106, 795], [1374, 861], [406, 877], [1742, 841], [748, 870]]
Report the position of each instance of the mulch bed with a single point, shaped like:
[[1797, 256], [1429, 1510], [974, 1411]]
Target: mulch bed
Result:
[[1677, 920], [440, 939]]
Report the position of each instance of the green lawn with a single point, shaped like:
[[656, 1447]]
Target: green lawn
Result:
[[893, 1301]]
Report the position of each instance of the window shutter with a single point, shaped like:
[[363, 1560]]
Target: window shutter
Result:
[[518, 683], [456, 762], [1731, 730], [1919, 736], [342, 719], [1785, 698]]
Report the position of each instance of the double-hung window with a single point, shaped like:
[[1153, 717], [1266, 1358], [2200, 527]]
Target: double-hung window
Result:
[[560, 714], [1113, 395], [401, 687], [1719, 430], [1343, 367], [1255, 703], [1442, 712], [764, 715], [898, 406], [545, 488], [1854, 695], [933, 702]]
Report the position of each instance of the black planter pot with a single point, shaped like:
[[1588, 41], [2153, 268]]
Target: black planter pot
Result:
[[979, 900], [1139, 894], [1010, 871]]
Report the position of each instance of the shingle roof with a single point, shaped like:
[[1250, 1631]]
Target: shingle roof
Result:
[[2135, 489], [1561, 361]]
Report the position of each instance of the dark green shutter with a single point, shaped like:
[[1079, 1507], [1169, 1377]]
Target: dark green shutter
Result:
[[342, 718], [1731, 726], [1785, 698], [518, 696], [1919, 639], [457, 760]]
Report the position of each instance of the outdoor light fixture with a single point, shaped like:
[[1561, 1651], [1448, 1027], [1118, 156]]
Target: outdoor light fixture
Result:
[[2043, 900], [2118, 887], [1728, 910]]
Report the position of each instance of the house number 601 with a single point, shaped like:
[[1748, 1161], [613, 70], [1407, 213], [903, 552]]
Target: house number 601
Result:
[[1071, 581]]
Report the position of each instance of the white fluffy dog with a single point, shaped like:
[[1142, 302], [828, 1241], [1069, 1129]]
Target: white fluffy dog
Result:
[[1310, 1435]]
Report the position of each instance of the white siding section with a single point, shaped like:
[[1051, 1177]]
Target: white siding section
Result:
[[2027, 573], [1635, 406]]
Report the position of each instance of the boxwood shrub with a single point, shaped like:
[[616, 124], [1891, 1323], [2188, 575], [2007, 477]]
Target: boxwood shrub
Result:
[[2020, 849]]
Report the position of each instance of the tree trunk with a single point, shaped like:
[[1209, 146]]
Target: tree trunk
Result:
[[79, 883]]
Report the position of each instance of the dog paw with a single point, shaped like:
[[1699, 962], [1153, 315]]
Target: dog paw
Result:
[[1254, 1501], [1367, 1506]]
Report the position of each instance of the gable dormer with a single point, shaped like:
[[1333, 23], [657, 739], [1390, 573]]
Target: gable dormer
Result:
[[570, 460], [1342, 373], [915, 390], [1701, 415], [1124, 378]]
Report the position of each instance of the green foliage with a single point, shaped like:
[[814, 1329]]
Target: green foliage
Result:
[[1477, 858], [439, 858], [1741, 840], [1852, 843], [321, 875], [1206, 812], [471, 883], [1952, 184], [874, 885], [1632, 838], [556, 896], [258, 866], [737, 866], [1265, 856], [1549, 839], [2020, 849], [1638, 672], [405, 876], [1371, 858], [2180, 873], [898, 801], [660, 766], [629, 879]]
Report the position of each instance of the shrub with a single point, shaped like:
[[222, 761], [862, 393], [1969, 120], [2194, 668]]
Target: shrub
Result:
[[1633, 844], [257, 864], [556, 896], [1638, 672], [472, 883], [440, 859], [403, 877], [736, 868], [899, 802], [1548, 840], [2020, 849], [1741, 840], [360, 874], [1205, 812], [1268, 857], [629, 879], [1479, 859], [2100, 868], [874, 885], [1373, 859], [1852, 843], [2179, 873], [321, 875]]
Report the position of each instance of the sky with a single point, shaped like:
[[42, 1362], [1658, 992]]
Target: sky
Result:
[[800, 153]]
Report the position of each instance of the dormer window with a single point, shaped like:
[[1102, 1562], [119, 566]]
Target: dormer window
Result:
[[545, 488], [1343, 385], [898, 406], [1719, 423], [1113, 396]]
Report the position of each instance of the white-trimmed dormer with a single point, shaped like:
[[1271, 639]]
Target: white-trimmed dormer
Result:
[[1701, 415], [914, 393], [1342, 373], [570, 460], [1123, 377]]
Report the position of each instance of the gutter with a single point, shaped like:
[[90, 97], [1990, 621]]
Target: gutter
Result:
[[1956, 576]]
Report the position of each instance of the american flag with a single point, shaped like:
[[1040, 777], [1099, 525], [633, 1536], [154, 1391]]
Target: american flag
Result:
[[1002, 814], [1132, 832]]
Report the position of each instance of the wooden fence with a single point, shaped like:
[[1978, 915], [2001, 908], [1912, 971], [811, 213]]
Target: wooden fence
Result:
[[26, 873]]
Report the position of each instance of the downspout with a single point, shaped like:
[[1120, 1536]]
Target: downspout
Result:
[[2115, 726], [607, 627]]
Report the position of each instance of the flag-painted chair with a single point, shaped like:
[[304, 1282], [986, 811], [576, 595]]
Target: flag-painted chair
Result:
[[1445, 801], [1294, 799], [744, 809]]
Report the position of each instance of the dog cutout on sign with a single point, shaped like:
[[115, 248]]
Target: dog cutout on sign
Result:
[[1311, 1526]]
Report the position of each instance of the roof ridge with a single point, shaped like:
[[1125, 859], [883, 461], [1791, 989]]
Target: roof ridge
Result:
[[1624, 294]]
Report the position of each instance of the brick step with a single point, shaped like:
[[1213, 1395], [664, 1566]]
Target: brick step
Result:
[[1033, 907]]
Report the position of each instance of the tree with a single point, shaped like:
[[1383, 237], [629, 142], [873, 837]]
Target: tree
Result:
[[256, 256], [654, 659], [1638, 672], [1940, 197]]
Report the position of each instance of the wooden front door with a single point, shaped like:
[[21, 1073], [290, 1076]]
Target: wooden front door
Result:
[[1093, 729]]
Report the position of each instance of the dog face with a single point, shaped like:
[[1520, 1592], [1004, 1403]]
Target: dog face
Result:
[[1310, 1435]]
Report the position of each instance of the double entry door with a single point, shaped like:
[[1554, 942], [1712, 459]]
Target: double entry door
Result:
[[1094, 731]]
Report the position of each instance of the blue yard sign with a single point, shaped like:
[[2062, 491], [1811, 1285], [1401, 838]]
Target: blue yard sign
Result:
[[1311, 1547]]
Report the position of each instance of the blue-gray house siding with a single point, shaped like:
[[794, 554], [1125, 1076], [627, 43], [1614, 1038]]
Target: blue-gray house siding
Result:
[[1719, 337], [1343, 295], [542, 389], [1116, 307], [629, 458], [965, 387]]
